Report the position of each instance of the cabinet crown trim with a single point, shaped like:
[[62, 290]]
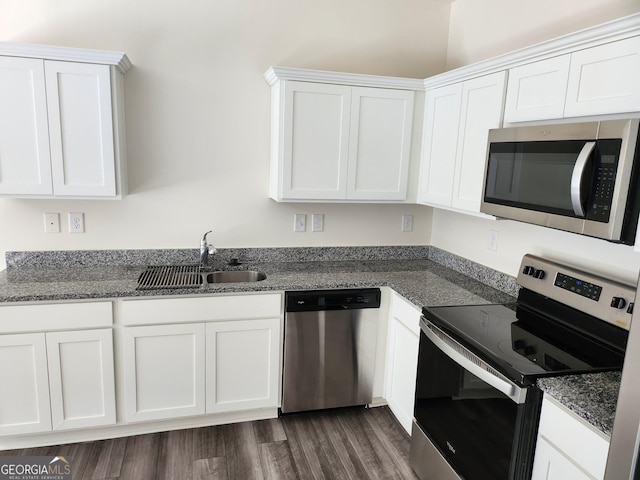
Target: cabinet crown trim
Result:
[[82, 55], [612, 31], [275, 74]]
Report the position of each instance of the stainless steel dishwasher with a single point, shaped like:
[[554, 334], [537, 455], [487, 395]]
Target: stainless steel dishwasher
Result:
[[330, 341]]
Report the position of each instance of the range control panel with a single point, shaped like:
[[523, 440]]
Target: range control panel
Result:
[[604, 298]]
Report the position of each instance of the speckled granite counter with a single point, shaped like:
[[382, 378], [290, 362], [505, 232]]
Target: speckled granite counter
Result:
[[46, 277], [426, 276], [592, 397]]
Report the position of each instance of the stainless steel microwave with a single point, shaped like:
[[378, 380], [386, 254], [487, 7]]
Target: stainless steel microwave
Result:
[[577, 177]]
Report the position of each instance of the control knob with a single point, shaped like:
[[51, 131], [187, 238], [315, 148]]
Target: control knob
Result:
[[618, 302], [528, 270], [538, 274]]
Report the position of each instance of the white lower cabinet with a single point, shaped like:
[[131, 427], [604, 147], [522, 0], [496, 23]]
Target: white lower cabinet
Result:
[[402, 359], [201, 355], [58, 381], [81, 379], [164, 369], [24, 396], [567, 446], [243, 364]]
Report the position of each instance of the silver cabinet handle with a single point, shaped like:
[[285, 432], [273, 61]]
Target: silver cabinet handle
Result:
[[576, 177], [472, 363]]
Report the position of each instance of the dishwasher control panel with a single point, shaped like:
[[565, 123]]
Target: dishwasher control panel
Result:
[[314, 300]]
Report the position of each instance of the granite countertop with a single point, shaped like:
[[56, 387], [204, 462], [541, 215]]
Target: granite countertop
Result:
[[422, 281], [423, 275], [592, 396]]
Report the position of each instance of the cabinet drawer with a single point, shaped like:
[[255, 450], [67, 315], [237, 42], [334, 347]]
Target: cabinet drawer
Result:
[[55, 316], [200, 309], [405, 312]]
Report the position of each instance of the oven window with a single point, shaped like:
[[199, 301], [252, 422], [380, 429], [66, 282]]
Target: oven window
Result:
[[471, 423]]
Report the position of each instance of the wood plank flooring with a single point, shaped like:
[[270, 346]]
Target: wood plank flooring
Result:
[[353, 443]]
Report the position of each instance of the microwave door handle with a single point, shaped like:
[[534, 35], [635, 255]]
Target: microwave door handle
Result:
[[446, 345], [577, 175]]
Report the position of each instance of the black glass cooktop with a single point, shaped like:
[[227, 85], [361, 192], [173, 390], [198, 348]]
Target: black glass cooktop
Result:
[[523, 345]]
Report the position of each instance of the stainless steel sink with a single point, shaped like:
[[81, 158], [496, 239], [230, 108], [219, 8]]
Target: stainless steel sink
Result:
[[190, 276], [235, 276]]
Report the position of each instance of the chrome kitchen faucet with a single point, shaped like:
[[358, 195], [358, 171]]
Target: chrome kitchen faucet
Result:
[[206, 249]]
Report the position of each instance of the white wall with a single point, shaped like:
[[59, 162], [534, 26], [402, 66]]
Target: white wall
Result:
[[487, 28], [480, 30], [197, 114], [468, 236]]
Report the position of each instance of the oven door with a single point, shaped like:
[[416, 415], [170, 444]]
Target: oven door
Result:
[[469, 421]]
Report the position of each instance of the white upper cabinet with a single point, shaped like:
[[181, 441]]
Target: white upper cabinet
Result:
[[457, 121], [439, 145], [338, 141], [604, 79], [379, 143], [81, 129], [25, 162], [61, 122], [481, 110], [315, 150], [537, 90]]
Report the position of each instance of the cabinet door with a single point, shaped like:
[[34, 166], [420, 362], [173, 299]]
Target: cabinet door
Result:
[[604, 79], [164, 369], [80, 128], [81, 378], [481, 110], [379, 143], [24, 392], [316, 141], [439, 145], [567, 446], [402, 360], [551, 464], [537, 91], [25, 164], [243, 364]]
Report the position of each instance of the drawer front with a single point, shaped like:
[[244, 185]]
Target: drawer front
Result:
[[55, 316], [200, 309], [406, 312]]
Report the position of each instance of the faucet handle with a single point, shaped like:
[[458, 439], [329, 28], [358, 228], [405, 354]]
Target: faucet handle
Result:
[[204, 237]]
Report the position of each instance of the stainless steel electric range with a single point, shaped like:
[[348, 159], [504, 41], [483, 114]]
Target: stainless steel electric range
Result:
[[477, 405]]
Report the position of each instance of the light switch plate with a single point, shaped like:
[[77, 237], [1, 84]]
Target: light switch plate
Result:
[[300, 222], [407, 223]]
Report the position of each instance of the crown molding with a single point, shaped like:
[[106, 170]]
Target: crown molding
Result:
[[118, 59], [612, 31], [275, 74]]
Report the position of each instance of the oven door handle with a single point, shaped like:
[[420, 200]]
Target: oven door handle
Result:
[[470, 362], [577, 176]]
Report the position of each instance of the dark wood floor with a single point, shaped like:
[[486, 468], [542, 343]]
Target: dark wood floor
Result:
[[354, 443]]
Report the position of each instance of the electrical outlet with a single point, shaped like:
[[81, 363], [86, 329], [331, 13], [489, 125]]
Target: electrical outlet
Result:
[[317, 222], [300, 222], [76, 222], [52, 222], [492, 243], [407, 223]]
